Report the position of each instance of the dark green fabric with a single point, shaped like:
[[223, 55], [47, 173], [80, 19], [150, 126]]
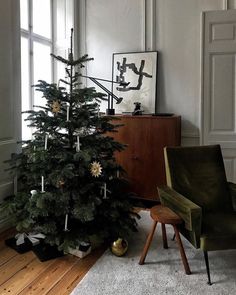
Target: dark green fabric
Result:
[[187, 210], [218, 231], [232, 188], [198, 173]]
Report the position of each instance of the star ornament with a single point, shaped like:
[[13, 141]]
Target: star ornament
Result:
[[96, 169], [56, 106]]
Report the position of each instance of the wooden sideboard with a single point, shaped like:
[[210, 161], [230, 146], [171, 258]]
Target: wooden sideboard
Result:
[[143, 158]]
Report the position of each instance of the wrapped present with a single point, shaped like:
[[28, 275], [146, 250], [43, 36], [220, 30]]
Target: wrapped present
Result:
[[34, 238], [46, 251], [24, 242], [81, 251]]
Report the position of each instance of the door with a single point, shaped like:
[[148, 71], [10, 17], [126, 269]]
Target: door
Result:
[[218, 85], [10, 120]]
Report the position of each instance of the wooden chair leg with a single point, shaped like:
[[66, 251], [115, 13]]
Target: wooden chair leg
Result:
[[164, 238], [182, 252], [148, 243]]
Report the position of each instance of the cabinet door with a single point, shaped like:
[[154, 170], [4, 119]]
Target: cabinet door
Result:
[[163, 132], [134, 159], [143, 159]]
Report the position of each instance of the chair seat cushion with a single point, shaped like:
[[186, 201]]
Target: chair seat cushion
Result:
[[218, 231]]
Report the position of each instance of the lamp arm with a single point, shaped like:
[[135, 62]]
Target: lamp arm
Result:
[[105, 80], [118, 100]]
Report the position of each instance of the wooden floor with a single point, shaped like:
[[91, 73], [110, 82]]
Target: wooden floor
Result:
[[25, 274]]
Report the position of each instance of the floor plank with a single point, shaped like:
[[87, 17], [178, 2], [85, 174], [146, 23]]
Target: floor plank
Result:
[[24, 274], [6, 254], [24, 277], [14, 265], [50, 277], [71, 279]]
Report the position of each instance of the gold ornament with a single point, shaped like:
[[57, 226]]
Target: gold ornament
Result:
[[56, 106], [119, 247], [96, 169]]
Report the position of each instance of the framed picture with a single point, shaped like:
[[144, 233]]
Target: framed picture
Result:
[[135, 74]]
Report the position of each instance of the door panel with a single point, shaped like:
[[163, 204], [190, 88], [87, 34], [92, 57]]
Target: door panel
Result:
[[10, 106], [222, 109], [218, 89]]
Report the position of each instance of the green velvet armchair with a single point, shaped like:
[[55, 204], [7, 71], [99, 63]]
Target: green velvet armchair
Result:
[[198, 191]]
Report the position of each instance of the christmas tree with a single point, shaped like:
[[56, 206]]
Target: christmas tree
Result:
[[69, 184]]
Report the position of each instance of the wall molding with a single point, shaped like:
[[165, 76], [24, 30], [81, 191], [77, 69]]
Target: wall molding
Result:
[[148, 24], [201, 80], [143, 41], [225, 4], [4, 141], [80, 31], [80, 19], [190, 134], [148, 42]]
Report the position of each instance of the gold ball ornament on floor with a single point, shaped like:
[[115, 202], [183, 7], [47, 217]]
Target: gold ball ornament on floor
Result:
[[119, 247]]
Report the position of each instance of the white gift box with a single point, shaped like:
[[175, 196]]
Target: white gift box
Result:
[[80, 251]]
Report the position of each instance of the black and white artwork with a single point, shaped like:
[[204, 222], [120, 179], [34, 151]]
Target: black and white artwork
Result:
[[137, 75]]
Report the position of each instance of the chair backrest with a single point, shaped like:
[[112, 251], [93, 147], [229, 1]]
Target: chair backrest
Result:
[[198, 173]]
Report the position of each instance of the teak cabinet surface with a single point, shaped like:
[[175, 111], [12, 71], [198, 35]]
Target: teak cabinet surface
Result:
[[143, 158]]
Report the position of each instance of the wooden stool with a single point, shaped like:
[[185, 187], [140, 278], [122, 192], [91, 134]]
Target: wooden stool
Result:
[[165, 216]]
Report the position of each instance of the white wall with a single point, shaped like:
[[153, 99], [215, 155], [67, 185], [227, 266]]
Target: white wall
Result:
[[179, 43], [108, 29], [172, 27]]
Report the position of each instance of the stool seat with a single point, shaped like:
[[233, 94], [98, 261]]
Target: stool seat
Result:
[[164, 215]]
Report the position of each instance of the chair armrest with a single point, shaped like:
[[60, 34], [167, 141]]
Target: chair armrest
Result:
[[232, 189], [186, 209]]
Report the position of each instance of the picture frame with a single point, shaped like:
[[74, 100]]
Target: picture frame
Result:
[[137, 74]]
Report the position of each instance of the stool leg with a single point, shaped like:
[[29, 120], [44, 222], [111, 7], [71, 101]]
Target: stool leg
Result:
[[181, 249], [164, 238], [148, 243]]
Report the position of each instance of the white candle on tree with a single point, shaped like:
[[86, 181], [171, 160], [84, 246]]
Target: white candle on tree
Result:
[[105, 191], [67, 113], [66, 222], [78, 144], [42, 184], [46, 142], [117, 173]]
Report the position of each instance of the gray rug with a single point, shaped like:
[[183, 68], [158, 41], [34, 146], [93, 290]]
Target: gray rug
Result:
[[163, 272]]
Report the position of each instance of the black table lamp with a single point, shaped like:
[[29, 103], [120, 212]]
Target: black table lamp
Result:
[[110, 110]]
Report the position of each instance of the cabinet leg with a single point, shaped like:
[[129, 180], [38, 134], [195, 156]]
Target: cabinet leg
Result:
[[182, 252], [148, 243], [164, 238]]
